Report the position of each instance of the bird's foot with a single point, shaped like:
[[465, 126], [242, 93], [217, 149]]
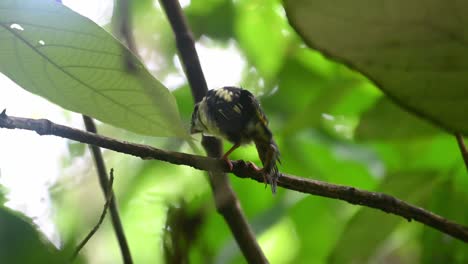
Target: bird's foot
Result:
[[228, 162], [254, 167]]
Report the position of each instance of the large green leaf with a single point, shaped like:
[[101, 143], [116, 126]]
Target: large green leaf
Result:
[[414, 51], [51, 51]]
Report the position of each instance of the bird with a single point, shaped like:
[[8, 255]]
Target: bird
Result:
[[234, 114]]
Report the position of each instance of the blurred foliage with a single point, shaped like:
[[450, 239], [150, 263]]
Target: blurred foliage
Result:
[[409, 126], [330, 122]]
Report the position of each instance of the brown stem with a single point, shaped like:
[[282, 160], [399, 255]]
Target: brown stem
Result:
[[186, 46], [226, 201], [241, 169]]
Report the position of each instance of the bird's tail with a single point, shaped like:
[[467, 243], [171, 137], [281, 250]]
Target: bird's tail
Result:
[[270, 157]]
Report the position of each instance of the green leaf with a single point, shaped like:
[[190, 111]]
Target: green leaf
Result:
[[387, 121], [53, 52], [21, 242], [414, 51], [369, 228]]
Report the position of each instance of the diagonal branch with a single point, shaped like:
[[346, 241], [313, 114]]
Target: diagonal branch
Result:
[[109, 197], [226, 201], [384, 202]]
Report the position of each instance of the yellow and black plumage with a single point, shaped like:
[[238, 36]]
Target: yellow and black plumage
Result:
[[234, 114]]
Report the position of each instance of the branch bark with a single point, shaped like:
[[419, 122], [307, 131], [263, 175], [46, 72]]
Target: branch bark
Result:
[[226, 201], [384, 202]]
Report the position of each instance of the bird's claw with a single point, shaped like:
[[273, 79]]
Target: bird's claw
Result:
[[254, 167], [229, 163], [258, 170]]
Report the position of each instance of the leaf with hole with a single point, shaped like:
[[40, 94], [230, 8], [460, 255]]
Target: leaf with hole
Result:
[[53, 52]]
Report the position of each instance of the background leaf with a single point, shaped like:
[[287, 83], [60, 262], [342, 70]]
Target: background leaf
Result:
[[368, 228], [51, 51], [387, 121], [415, 52], [261, 32]]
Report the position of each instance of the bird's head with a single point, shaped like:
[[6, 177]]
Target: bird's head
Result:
[[196, 126]]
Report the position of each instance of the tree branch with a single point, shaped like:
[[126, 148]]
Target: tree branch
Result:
[[384, 202], [109, 198], [463, 150], [104, 182], [186, 46], [226, 201]]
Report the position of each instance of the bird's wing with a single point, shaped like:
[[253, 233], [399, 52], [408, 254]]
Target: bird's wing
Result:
[[227, 111], [249, 99]]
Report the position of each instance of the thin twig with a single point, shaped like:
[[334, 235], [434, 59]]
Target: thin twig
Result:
[[226, 201], [104, 182], [352, 195], [101, 218], [463, 150]]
